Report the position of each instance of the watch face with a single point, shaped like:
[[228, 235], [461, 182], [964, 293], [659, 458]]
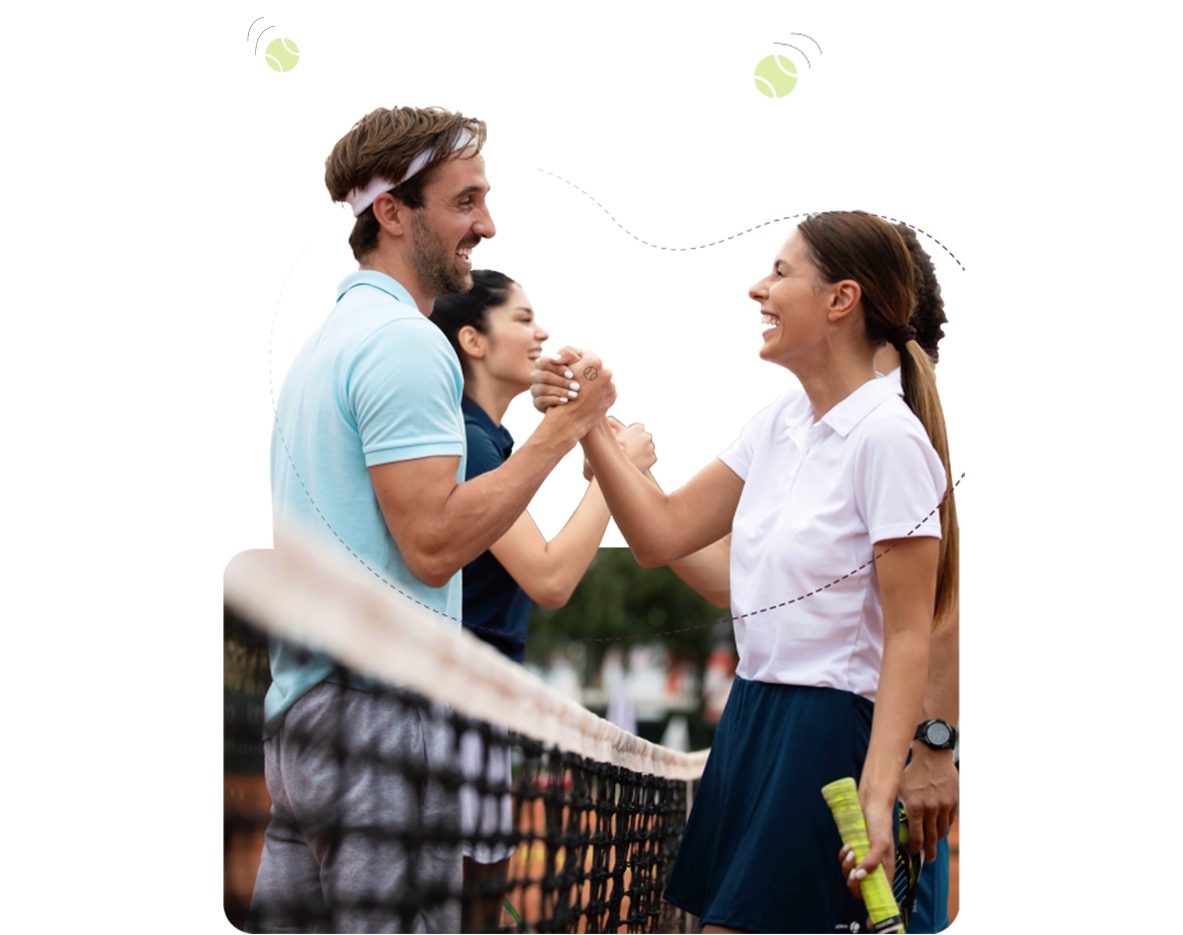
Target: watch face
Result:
[[938, 734]]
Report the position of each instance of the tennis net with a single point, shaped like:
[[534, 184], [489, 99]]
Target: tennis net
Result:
[[572, 823]]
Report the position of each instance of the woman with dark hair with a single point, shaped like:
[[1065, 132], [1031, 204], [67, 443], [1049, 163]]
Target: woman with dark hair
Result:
[[497, 338], [841, 561], [930, 786], [495, 334]]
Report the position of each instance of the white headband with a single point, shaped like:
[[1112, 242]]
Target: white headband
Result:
[[360, 199]]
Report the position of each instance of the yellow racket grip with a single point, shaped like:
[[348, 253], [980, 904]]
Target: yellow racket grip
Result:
[[842, 797]]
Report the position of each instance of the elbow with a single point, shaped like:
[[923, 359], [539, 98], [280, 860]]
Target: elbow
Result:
[[550, 601], [553, 595], [647, 557], [431, 579], [433, 571]]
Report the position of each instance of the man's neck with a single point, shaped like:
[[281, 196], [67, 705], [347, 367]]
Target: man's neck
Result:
[[398, 269]]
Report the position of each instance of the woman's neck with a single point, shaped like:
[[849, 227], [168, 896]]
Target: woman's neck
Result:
[[828, 382], [490, 394]]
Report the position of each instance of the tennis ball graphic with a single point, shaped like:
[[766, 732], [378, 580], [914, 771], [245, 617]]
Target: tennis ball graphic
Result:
[[282, 54], [776, 76]]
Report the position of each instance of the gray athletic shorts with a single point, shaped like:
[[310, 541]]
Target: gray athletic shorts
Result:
[[318, 878], [487, 814]]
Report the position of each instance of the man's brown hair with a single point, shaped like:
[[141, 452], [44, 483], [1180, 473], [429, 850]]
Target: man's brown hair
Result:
[[382, 145]]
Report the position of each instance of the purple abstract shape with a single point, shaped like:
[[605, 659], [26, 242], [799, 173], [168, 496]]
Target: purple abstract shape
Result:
[[659, 215]]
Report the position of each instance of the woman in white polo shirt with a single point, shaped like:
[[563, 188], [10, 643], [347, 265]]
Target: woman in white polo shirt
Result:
[[838, 563]]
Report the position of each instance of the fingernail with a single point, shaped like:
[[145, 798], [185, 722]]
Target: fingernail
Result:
[[562, 399], [568, 374], [859, 874], [572, 393], [574, 385], [852, 875], [556, 356]]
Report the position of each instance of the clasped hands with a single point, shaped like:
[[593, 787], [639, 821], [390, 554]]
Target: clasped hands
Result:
[[559, 380]]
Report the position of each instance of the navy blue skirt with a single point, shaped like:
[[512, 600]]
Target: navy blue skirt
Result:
[[760, 850]]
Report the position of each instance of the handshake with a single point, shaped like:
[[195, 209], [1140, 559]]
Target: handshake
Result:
[[575, 386]]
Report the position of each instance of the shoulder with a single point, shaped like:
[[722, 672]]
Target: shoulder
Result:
[[891, 423], [413, 332], [406, 364], [403, 341], [892, 442]]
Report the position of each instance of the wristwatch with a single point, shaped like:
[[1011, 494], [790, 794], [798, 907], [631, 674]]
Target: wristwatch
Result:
[[937, 734]]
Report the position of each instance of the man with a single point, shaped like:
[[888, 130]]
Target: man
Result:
[[368, 455]]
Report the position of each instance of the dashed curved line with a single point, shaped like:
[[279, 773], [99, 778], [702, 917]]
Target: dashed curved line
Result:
[[588, 639], [811, 39], [803, 55], [250, 27]]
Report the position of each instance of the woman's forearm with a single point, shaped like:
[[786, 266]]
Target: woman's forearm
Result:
[[638, 505], [708, 571], [569, 554], [662, 528], [898, 704]]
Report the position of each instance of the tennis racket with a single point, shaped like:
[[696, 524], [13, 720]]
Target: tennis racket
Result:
[[907, 872], [842, 797]]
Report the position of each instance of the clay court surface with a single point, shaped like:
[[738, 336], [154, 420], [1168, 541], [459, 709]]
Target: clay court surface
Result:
[[246, 806]]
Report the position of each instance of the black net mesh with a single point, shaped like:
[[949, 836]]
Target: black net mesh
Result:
[[590, 844]]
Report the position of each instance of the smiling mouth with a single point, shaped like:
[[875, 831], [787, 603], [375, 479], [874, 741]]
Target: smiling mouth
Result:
[[772, 320], [464, 251]]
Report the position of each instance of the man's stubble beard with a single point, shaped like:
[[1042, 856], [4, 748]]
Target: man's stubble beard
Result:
[[434, 261]]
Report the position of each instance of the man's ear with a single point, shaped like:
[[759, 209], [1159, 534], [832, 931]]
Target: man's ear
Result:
[[392, 214], [471, 341], [844, 299]]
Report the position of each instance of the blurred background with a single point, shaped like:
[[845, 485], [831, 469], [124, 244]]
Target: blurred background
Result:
[[638, 646]]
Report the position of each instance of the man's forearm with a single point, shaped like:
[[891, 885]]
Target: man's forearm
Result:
[[941, 692], [479, 512]]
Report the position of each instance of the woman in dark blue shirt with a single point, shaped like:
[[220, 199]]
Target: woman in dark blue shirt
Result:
[[494, 333], [497, 338]]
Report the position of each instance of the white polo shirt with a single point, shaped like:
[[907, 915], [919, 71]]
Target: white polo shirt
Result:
[[816, 498]]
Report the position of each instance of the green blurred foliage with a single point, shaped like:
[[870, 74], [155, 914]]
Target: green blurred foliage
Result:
[[619, 604]]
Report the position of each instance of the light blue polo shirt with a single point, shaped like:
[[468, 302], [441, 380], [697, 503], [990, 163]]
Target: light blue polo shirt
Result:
[[376, 383]]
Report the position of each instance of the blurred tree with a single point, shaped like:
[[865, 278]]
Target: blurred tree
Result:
[[619, 603]]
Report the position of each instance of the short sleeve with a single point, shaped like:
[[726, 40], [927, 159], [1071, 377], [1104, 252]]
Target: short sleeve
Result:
[[899, 480], [403, 391]]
